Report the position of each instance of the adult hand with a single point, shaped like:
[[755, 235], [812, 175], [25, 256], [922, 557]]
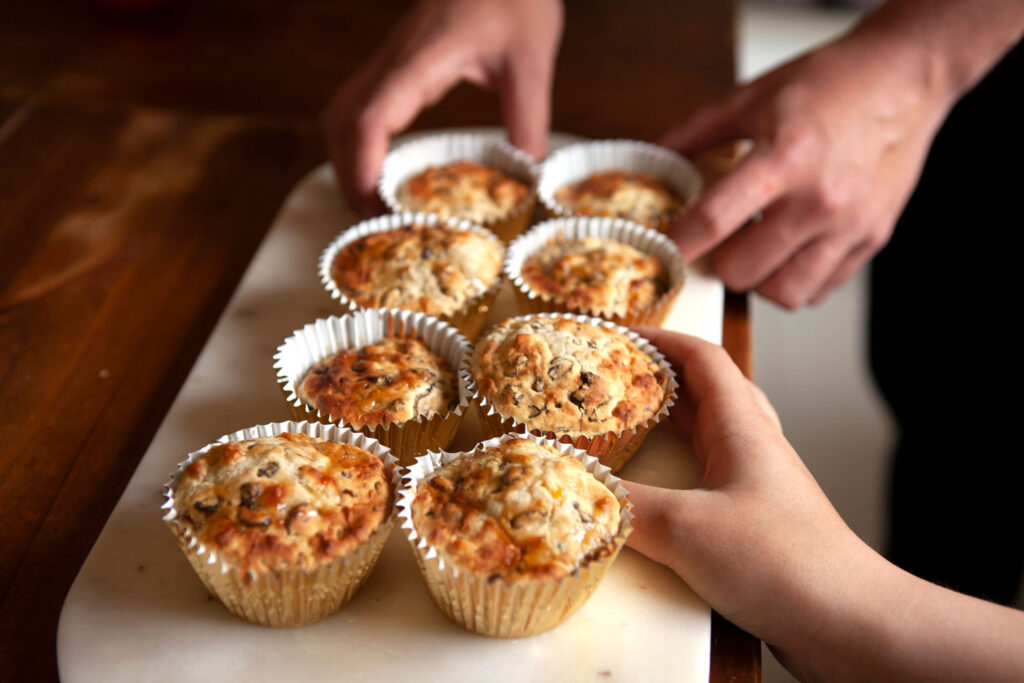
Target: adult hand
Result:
[[760, 542], [839, 140], [507, 45]]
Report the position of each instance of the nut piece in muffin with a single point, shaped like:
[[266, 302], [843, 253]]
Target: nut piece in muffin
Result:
[[561, 375], [517, 511], [596, 275], [624, 194], [283, 502], [430, 269], [463, 189], [392, 380]]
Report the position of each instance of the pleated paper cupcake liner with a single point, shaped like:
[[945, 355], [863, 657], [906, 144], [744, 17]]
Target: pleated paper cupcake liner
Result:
[[500, 608], [469, 319], [626, 232], [327, 336], [575, 162], [418, 155], [284, 598], [613, 448]]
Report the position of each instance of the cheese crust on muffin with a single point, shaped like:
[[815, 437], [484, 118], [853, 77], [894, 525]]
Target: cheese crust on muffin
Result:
[[517, 511], [463, 189], [430, 269], [596, 275], [282, 502], [391, 380], [624, 194], [568, 377]]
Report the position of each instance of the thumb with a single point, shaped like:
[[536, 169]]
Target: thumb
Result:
[[525, 89], [660, 521]]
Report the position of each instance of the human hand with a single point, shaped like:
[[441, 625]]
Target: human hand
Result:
[[761, 543], [758, 540], [839, 140], [507, 45]]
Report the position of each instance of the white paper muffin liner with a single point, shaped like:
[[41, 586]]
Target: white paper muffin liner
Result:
[[500, 608], [473, 315], [613, 449], [577, 228], [575, 162], [327, 336], [287, 598], [417, 155]]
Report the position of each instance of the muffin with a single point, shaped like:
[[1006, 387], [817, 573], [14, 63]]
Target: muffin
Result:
[[620, 178], [390, 374], [593, 384], [514, 536], [417, 263], [472, 176], [462, 189], [284, 526], [603, 267], [633, 195], [392, 380], [595, 274]]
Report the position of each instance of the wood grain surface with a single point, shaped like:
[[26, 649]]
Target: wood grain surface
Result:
[[142, 159]]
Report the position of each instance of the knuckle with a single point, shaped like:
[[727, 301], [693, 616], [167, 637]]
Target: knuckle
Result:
[[787, 294], [876, 239], [794, 149], [832, 196], [733, 276], [707, 217]]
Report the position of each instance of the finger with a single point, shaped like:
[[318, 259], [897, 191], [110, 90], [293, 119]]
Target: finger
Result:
[[750, 255], [803, 275], [361, 146], [337, 126], [853, 262], [657, 512], [525, 91], [762, 401], [704, 369], [711, 125], [728, 205]]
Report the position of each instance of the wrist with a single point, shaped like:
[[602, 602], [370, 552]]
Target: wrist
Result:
[[945, 47]]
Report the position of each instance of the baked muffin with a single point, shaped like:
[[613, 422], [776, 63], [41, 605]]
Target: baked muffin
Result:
[[389, 373], [292, 523], [596, 275], [633, 195], [435, 269], [563, 375], [513, 536], [472, 176], [391, 380], [571, 378], [517, 511], [463, 189]]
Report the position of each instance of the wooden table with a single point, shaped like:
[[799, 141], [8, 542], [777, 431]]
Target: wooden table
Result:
[[142, 158]]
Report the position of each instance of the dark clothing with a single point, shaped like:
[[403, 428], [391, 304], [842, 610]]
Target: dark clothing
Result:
[[944, 354]]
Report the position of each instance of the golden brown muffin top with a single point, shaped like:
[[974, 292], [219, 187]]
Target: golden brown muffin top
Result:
[[624, 194], [568, 377], [517, 511], [596, 275], [392, 380], [282, 502], [463, 189], [430, 269]]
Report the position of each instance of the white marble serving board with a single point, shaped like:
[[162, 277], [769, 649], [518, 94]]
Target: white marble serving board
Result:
[[137, 612]]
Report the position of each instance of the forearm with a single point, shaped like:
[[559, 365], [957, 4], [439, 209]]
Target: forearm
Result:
[[878, 622], [951, 43]]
